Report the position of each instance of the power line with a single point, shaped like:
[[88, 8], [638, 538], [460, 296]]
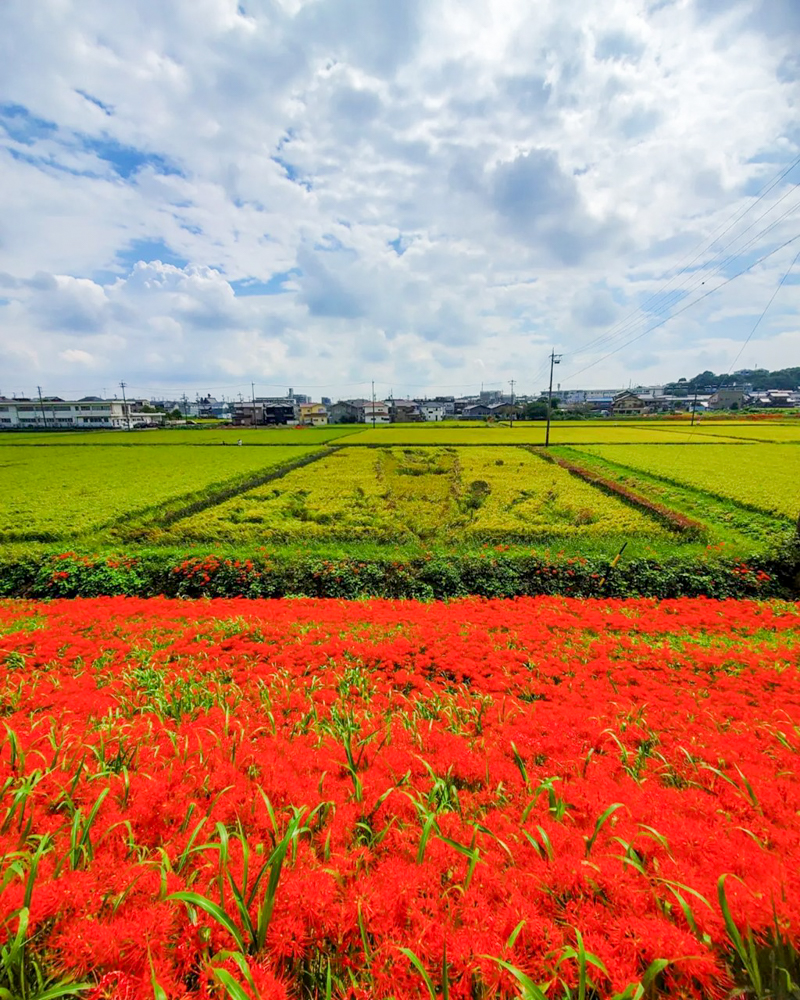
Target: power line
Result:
[[699, 277], [623, 325], [764, 313], [741, 349], [678, 312]]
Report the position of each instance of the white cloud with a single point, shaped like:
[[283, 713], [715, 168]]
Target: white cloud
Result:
[[425, 193], [74, 356]]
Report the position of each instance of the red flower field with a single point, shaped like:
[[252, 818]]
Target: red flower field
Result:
[[387, 799]]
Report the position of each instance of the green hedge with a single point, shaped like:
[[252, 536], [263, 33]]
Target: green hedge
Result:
[[492, 574]]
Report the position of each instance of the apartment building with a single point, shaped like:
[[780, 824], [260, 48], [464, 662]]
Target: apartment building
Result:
[[88, 413]]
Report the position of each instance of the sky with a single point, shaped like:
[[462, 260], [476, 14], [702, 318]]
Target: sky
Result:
[[431, 194]]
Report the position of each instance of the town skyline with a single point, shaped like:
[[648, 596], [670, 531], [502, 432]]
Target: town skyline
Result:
[[252, 389]]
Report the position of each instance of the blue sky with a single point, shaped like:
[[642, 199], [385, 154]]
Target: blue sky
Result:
[[319, 193]]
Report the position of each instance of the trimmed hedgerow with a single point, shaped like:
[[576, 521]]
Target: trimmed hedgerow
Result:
[[493, 572]]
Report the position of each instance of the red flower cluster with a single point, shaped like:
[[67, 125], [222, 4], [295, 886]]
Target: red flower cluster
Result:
[[287, 794]]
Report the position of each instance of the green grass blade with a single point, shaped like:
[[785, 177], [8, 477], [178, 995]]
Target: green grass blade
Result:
[[421, 970], [530, 991], [512, 937], [213, 910], [427, 827], [601, 821], [746, 954], [68, 989], [159, 993], [232, 988]]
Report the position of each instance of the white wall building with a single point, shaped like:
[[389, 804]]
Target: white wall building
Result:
[[373, 413], [61, 414], [432, 412]]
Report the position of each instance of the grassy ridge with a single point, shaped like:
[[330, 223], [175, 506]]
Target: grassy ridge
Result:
[[306, 436], [761, 477]]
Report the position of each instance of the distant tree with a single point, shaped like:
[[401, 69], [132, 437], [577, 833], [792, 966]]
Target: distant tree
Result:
[[759, 378], [538, 409]]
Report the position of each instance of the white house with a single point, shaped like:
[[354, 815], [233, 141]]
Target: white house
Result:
[[432, 412], [373, 413]]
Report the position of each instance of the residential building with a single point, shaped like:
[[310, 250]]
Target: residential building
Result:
[[208, 407], [373, 413], [265, 411], [432, 412], [186, 407], [313, 414], [462, 403], [87, 413], [404, 411], [726, 399], [448, 402], [345, 411], [587, 400], [648, 391], [599, 404], [483, 411], [630, 404], [774, 398]]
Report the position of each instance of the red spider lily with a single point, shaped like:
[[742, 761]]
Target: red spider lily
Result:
[[278, 797]]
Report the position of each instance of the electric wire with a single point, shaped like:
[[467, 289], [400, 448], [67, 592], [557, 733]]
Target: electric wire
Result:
[[764, 313], [678, 312], [707, 245], [699, 277]]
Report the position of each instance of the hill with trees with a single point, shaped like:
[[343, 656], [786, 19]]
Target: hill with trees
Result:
[[757, 379]]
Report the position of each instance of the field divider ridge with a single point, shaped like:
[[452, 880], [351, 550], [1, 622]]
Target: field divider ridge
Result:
[[699, 490], [691, 433], [169, 517], [672, 519]]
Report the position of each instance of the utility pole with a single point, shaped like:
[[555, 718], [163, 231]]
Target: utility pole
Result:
[[694, 406], [125, 410], [555, 359], [41, 403], [253, 400], [185, 402], [373, 405], [512, 382]]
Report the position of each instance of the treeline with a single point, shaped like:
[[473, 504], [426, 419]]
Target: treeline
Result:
[[759, 378]]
